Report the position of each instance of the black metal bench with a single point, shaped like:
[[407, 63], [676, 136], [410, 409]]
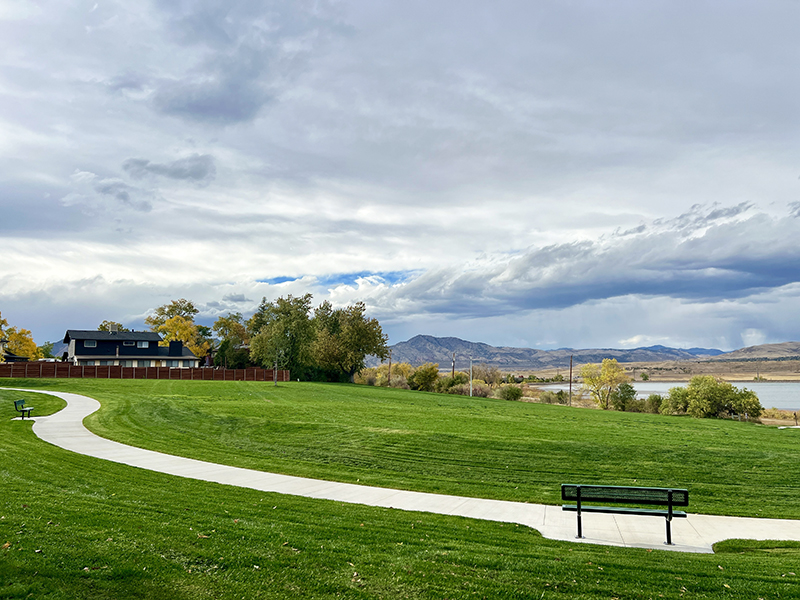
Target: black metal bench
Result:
[[625, 495], [21, 408]]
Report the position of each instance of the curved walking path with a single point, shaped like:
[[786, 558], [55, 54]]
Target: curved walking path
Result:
[[696, 533]]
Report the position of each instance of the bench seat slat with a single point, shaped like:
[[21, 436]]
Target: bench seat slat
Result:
[[621, 494], [624, 510]]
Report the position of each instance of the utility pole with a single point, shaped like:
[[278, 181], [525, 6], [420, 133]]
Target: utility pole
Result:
[[470, 377], [570, 379]]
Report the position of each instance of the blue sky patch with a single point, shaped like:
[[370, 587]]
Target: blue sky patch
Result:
[[389, 277]]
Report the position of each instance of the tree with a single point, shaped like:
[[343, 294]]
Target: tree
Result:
[[603, 380], [20, 342], [344, 338], [111, 326], [231, 328], [3, 325], [490, 375], [282, 332], [230, 357], [176, 308], [175, 322], [623, 397], [182, 329], [46, 350], [707, 396]]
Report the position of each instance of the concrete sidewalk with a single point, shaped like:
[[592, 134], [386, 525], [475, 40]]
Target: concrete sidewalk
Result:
[[696, 533]]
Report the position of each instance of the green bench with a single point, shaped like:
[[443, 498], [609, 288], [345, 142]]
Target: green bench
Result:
[[616, 494], [21, 408]]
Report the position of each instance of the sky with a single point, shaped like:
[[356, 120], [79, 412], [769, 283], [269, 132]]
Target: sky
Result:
[[544, 174]]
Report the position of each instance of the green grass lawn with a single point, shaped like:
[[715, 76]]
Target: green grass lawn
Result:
[[77, 527], [450, 444]]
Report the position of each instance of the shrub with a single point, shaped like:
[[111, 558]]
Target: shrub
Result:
[[636, 405], [510, 392], [707, 396], [398, 381], [445, 383], [653, 403], [549, 397], [676, 402], [480, 390], [425, 377]]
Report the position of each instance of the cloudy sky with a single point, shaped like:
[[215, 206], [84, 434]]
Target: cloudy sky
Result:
[[575, 173]]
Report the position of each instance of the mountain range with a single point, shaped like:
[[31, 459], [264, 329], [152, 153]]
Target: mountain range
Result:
[[426, 348]]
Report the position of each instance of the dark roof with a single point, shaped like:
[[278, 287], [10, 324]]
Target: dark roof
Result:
[[136, 336], [163, 352]]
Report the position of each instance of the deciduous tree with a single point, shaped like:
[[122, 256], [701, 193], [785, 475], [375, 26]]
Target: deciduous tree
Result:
[[20, 342], [282, 332], [176, 308], [111, 326], [603, 380], [706, 396], [183, 329], [345, 337], [231, 328]]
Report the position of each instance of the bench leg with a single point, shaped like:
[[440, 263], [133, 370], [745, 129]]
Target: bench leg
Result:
[[580, 528], [669, 533]]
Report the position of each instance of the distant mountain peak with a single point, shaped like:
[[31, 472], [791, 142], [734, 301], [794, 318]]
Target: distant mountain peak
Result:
[[427, 348]]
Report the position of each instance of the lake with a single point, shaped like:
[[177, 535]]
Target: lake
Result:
[[772, 394]]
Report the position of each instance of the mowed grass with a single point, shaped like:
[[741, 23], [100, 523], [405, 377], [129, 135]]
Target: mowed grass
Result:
[[450, 444], [76, 527]]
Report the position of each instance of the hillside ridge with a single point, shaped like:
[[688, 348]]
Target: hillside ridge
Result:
[[427, 348]]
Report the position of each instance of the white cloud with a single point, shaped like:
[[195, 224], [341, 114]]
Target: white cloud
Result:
[[522, 172]]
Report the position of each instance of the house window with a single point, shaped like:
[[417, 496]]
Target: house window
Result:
[[126, 363], [187, 363], [142, 344], [173, 363], [128, 343], [144, 363], [105, 362], [90, 343]]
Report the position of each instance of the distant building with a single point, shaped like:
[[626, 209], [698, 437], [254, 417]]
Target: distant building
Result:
[[126, 349]]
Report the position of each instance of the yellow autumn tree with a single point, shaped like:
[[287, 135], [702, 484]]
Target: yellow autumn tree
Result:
[[182, 329], [601, 381], [20, 341]]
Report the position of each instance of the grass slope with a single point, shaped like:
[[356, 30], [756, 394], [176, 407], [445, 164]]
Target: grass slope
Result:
[[450, 444], [77, 527]]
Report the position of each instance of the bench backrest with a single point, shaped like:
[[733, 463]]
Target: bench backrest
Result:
[[623, 494], [18, 404]]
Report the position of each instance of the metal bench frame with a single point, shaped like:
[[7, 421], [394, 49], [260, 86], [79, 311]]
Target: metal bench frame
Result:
[[19, 405], [669, 497]]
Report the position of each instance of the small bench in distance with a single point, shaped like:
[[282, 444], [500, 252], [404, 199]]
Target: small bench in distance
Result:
[[21, 408], [617, 494]]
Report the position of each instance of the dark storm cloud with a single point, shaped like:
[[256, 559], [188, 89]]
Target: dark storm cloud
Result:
[[712, 262], [236, 298], [198, 167], [248, 51]]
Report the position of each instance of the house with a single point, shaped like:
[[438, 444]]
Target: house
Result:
[[7, 355], [126, 349]]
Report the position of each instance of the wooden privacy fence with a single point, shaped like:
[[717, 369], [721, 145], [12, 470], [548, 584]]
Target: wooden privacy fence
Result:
[[37, 370]]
